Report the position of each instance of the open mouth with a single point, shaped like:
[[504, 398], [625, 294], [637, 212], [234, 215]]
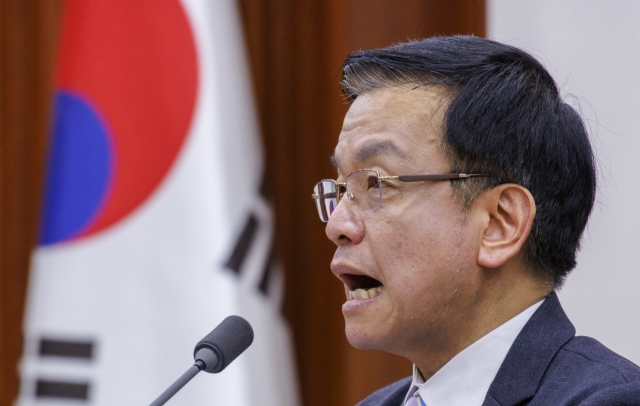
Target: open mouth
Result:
[[361, 286]]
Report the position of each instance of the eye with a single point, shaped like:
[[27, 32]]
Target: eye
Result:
[[372, 182]]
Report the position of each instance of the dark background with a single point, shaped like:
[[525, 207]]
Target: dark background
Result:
[[296, 49]]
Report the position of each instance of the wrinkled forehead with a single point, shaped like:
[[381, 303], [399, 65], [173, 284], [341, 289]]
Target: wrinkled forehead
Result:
[[398, 121]]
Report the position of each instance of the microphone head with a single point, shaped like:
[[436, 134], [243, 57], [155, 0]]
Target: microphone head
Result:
[[228, 340]]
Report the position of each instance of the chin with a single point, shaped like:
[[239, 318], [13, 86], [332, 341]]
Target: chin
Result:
[[366, 337]]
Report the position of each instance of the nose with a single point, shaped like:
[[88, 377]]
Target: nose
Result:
[[345, 225]]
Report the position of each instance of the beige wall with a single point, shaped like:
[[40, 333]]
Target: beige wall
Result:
[[592, 48]]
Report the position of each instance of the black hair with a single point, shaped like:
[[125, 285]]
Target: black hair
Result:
[[505, 118]]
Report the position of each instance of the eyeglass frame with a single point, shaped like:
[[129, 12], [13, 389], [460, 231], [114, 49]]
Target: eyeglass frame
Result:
[[401, 178]]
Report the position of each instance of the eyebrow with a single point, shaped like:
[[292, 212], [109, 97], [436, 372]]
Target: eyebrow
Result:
[[371, 150]]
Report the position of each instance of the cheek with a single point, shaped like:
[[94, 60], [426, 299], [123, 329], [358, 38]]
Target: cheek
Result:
[[424, 236], [424, 252], [406, 249]]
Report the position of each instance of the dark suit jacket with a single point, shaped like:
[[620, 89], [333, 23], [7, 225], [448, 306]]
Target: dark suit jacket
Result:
[[548, 365]]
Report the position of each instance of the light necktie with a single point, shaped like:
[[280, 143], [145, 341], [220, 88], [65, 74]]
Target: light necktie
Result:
[[414, 398]]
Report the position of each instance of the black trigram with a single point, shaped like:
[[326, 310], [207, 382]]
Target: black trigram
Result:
[[63, 389], [242, 249]]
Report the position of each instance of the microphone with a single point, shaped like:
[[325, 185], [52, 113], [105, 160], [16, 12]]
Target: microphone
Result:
[[214, 352]]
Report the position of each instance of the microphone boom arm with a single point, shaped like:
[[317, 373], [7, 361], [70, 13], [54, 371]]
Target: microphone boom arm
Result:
[[179, 383]]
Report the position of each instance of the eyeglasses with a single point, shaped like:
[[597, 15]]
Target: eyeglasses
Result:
[[363, 188]]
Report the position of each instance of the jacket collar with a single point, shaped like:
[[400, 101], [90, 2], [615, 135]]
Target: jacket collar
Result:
[[548, 330]]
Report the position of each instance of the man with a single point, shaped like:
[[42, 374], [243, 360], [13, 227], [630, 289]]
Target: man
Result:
[[464, 185]]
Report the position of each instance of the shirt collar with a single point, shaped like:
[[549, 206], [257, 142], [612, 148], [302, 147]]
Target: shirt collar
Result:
[[466, 378]]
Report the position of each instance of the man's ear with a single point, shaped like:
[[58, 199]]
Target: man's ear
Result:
[[509, 211]]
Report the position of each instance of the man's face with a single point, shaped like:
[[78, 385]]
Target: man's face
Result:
[[417, 250]]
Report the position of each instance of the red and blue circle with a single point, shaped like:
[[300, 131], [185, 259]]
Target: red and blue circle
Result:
[[126, 88]]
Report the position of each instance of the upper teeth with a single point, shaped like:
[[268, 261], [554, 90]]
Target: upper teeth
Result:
[[364, 294]]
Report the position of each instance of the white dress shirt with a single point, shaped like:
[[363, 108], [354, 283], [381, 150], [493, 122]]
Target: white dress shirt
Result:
[[465, 379]]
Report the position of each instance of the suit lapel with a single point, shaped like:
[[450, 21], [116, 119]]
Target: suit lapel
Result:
[[397, 397], [531, 353]]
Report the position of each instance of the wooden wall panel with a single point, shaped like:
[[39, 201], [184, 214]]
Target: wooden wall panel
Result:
[[379, 23], [27, 30], [296, 48]]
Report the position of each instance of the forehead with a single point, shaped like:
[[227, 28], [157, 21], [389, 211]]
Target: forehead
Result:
[[403, 121]]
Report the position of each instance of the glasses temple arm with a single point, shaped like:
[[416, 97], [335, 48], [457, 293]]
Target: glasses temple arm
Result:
[[445, 176]]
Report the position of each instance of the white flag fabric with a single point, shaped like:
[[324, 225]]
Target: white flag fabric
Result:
[[154, 228]]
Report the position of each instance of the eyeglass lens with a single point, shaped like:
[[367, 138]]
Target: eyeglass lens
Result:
[[326, 198], [363, 190]]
